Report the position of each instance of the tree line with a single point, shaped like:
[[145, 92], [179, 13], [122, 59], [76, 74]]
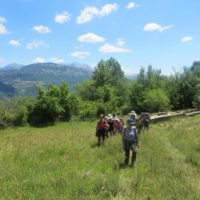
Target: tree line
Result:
[[108, 91]]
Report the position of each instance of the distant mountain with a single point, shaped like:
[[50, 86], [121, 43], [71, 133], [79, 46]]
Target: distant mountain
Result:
[[12, 66], [22, 81], [80, 65]]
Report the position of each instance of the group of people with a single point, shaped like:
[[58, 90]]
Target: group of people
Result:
[[110, 125]]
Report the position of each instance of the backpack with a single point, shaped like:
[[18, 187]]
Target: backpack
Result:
[[101, 125], [130, 134]]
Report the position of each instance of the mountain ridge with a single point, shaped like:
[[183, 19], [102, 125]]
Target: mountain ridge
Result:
[[23, 80]]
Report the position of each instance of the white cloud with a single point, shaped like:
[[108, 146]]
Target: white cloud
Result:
[[2, 20], [90, 12], [63, 17], [39, 60], [15, 43], [152, 27], [132, 5], [53, 60], [108, 48], [164, 28], [36, 44], [42, 29], [80, 54], [120, 42], [107, 9], [87, 15], [3, 29], [156, 27], [186, 39], [56, 60], [90, 37]]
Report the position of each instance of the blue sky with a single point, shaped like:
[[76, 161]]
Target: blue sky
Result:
[[161, 33]]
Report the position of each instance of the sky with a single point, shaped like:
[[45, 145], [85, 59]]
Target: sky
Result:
[[161, 33]]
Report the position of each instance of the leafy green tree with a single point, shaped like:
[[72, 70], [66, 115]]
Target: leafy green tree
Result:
[[107, 72], [46, 108], [156, 100], [174, 91], [110, 82], [137, 97], [187, 87], [66, 102], [196, 75], [51, 104], [105, 93], [87, 110], [87, 90], [151, 79]]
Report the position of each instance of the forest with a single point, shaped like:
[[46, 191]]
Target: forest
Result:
[[108, 91]]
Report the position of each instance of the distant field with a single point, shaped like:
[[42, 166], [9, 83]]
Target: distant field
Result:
[[63, 162]]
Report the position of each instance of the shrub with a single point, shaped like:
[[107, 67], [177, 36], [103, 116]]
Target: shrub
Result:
[[156, 100], [87, 110], [20, 116]]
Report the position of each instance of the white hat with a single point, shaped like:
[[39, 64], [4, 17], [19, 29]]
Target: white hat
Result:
[[116, 118], [133, 113], [110, 116]]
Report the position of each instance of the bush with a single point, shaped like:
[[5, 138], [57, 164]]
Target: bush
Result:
[[196, 102], [20, 117], [13, 112], [45, 111], [87, 110], [156, 100]]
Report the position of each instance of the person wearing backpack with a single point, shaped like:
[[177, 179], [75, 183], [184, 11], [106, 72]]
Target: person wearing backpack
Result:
[[101, 127], [110, 123], [130, 142]]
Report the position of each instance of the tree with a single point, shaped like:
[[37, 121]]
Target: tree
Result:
[[108, 86], [66, 102], [156, 100], [196, 74], [51, 104], [87, 90], [137, 96], [146, 81], [108, 72]]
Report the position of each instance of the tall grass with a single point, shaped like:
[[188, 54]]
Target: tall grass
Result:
[[64, 162]]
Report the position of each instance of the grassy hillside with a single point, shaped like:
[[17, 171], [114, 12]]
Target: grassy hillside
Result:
[[63, 162]]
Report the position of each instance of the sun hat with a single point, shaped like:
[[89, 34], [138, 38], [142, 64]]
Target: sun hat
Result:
[[116, 118], [101, 116], [110, 116], [133, 112]]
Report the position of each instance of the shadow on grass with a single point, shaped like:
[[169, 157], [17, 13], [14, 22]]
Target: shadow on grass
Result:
[[94, 145], [121, 165]]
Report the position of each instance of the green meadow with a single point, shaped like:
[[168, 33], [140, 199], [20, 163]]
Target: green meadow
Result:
[[64, 162]]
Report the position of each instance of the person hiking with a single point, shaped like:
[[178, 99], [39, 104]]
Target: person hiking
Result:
[[101, 129], [115, 125], [121, 125], [110, 123], [144, 121], [130, 142], [133, 115]]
